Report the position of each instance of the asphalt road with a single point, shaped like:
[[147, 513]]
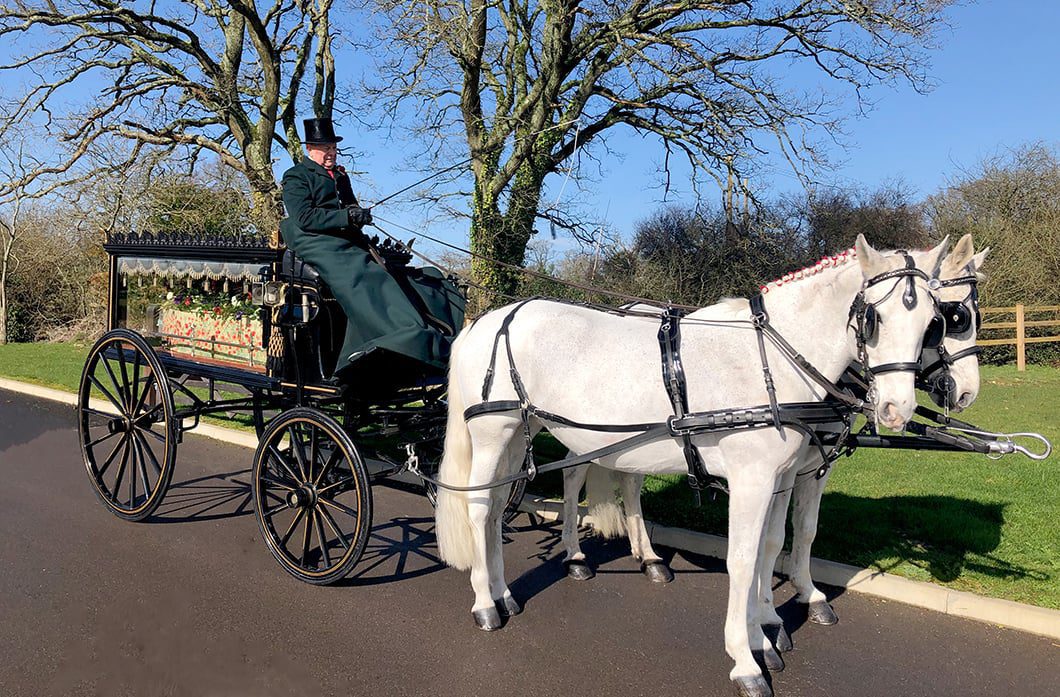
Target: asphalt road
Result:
[[191, 603]]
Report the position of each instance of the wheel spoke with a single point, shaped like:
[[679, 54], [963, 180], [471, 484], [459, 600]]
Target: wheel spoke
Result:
[[276, 483], [134, 386], [95, 381], [278, 457], [331, 486], [294, 523], [332, 459], [124, 376], [321, 539], [114, 381], [121, 469], [110, 458], [99, 440], [340, 507], [275, 509], [135, 456], [143, 396], [143, 466], [308, 535], [296, 448], [157, 436], [148, 416], [102, 414], [313, 436], [147, 447], [334, 527]]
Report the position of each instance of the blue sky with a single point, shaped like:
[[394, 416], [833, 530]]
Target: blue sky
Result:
[[997, 76]]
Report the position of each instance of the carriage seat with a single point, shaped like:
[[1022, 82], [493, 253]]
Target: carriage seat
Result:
[[294, 269]]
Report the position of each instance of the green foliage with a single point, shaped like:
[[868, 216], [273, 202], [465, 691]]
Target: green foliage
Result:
[[1011, 203]]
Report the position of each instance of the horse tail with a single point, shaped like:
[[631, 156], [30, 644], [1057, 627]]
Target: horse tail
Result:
[[608, 519], [452, 523]]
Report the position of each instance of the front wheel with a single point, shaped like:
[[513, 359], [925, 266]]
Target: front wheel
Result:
[[312, 496]]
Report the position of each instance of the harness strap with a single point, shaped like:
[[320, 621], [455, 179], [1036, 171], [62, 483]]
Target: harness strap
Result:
[[673, 375], [760, 318]]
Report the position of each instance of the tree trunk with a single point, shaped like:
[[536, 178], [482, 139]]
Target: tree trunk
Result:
[[502, 237], [3, 304]]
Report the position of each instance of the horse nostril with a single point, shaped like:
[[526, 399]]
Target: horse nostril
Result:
[[965, 400]]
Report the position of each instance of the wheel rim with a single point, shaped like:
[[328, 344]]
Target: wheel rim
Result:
[[310, 491], [126, 438]]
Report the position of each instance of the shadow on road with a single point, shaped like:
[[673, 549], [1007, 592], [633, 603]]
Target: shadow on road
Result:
[[212, 497]]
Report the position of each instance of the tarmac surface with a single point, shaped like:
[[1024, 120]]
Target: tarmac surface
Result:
[[191, 603]]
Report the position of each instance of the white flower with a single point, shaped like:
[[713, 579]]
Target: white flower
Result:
[[169, 295], [235, 301]]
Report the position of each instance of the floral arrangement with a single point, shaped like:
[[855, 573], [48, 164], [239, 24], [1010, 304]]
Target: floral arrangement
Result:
[[219, 305]]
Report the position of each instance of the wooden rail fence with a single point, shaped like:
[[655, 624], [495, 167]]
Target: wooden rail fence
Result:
[[1021, 324]]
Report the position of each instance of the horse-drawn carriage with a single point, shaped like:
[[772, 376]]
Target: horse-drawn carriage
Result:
[[198, 327], [233, 325]]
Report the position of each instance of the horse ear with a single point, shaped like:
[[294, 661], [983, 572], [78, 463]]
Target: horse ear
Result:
[[869, 259], [977, 261], [958, 259], [933, 257]]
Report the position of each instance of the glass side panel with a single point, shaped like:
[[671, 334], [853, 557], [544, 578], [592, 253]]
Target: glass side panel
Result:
[[193, 309]]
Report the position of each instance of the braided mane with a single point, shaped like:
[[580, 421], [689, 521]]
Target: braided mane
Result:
[[829, 262]]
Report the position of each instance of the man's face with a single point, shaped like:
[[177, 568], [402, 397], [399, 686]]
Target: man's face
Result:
[[323, 154]]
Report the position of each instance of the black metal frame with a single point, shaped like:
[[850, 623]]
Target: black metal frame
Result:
[[297, 380]]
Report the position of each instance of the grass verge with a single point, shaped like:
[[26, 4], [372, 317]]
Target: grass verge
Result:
[[963, 521]]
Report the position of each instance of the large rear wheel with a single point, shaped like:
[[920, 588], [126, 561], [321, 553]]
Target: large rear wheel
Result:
[[312, 496], [128, 433]]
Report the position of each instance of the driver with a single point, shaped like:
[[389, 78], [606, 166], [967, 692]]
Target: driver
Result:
[[323, 227]]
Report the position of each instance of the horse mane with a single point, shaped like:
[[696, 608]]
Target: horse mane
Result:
[[829, 262]]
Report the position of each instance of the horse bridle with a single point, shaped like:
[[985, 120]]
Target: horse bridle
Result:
[[958, 319], [867, 320]]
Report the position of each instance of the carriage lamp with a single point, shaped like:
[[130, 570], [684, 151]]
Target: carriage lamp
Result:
[[262, 293]]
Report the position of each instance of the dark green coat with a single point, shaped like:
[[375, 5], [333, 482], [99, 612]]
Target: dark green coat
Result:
[[381, 313]]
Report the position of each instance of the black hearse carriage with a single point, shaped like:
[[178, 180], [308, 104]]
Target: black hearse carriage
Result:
[[207, 325]]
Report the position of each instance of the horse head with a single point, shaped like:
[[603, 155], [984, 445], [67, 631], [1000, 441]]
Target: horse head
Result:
[[890, 318], [951, 369]]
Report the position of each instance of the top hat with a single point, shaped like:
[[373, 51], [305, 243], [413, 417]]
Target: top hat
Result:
[[320, 131]]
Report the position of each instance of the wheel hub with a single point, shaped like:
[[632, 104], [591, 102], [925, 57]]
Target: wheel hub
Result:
[[302, 497]]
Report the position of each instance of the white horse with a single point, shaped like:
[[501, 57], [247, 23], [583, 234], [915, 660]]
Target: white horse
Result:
[[962, 262], [610, 519], [598, 368]]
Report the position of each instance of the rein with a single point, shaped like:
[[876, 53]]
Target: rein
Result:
[[682, 424]]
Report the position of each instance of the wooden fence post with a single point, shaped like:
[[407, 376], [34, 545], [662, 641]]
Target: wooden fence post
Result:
[[1021, 340]]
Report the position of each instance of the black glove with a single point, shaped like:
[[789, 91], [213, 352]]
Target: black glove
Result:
[[359, 216]]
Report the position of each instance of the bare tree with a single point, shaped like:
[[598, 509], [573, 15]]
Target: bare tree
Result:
[[529, 83], [191, 78], [16, 164]]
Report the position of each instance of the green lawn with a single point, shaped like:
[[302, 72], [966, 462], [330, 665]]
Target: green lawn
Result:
[[964, 521]]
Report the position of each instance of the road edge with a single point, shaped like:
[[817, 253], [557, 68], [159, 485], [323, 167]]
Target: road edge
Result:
[[1003, 613]]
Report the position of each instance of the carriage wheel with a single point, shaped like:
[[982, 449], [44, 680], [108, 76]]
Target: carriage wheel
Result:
[[312, 496], [128, 433]]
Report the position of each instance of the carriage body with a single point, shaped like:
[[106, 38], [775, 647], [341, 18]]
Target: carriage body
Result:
[[231, 325]]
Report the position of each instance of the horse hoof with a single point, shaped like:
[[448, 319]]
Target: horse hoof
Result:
[[821, 612], [770, 659], [488, 620], [579, 570], [779, 636], [755, 686], [508, 606], [657, 572]]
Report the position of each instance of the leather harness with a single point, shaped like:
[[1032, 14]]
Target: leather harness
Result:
[[841, 406]]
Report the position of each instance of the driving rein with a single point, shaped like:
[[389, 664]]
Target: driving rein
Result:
[[683, 425]]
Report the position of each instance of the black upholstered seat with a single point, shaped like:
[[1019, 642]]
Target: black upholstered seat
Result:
[[292, 268]]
